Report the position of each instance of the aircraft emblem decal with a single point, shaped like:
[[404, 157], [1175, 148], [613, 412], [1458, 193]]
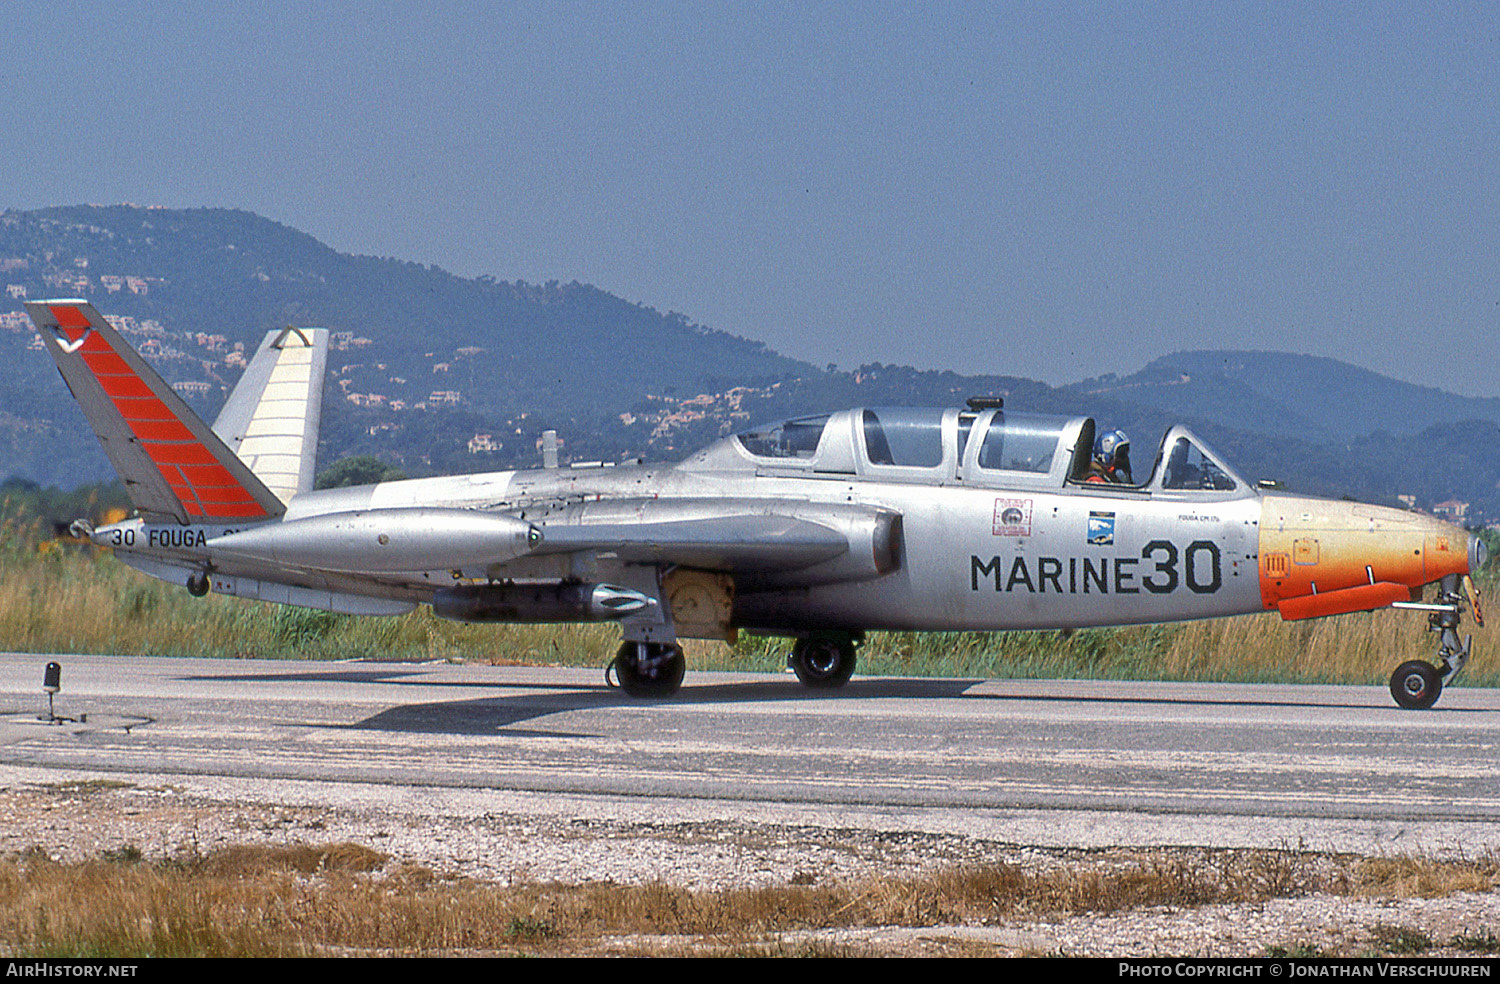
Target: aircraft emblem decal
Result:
[[60, 333], [1012, 517], [1102, 529]]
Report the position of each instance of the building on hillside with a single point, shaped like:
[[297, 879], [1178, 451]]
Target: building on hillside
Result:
[[1454, 510]]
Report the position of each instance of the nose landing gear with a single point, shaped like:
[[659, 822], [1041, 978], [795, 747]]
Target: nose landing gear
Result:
[[1416, 685]]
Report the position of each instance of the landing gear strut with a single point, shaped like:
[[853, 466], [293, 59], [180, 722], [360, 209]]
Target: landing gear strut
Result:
[[647, 669], [824, 660], [1416, 685]]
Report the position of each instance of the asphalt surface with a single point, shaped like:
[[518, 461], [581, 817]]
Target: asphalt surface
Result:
[[1067, 763]]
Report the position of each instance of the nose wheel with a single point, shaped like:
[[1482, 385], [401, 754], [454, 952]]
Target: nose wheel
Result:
[[1416, 685]]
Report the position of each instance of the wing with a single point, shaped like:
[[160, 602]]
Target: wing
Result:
[[758, 541]]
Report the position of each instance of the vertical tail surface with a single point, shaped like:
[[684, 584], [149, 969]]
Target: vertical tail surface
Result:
[[271, 418], [172, 464]]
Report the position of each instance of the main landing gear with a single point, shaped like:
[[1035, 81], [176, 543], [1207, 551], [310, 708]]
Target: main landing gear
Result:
[[1416, 684], [824, 660], [647, 669]]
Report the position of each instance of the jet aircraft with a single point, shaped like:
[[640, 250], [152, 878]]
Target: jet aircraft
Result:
[[819, 528]]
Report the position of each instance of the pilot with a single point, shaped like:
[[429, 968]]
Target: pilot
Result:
[[1111, 462]]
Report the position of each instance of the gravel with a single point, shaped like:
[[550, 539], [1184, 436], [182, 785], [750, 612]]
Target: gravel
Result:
[[493, 837]]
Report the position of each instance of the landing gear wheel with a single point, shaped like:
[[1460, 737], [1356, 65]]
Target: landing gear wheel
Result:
[[823, 661], [648, 669], [1416, 685]]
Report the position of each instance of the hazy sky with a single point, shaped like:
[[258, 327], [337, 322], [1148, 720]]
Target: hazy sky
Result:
[[1048, 189]]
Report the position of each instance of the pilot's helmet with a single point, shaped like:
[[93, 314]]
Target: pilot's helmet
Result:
[[1110, 447]]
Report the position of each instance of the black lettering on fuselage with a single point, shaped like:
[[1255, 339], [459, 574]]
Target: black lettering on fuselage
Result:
[[1019, 575], [1198, 567], [178, 538], [1216, 576], [978, 568], [1166, 566]]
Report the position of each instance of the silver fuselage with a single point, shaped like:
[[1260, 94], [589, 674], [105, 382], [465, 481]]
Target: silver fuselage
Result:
[[967, 548]]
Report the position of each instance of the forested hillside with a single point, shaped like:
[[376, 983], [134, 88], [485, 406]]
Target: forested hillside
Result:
[[437, 373]]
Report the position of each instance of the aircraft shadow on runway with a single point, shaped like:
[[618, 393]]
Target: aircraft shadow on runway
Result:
[[522, 702]]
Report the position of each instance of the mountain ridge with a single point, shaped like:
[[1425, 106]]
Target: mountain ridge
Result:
[[1275, 387], [429, 363]]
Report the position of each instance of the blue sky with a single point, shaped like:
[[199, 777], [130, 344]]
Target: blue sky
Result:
[[1051, 190]]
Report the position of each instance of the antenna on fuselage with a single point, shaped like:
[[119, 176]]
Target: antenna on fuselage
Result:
[[978, 403]]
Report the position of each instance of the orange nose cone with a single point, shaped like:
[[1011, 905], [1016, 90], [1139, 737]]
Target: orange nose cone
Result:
[[1447, 551], [1321, 557]]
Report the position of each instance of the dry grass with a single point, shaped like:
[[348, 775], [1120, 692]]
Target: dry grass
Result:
[[344, 898], [1407, 876], [1359, 648]]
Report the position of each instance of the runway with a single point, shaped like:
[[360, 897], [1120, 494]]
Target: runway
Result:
[[1070, 763]]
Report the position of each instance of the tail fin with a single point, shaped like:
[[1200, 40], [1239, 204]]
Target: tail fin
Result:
[[271, 418], [172, 464]]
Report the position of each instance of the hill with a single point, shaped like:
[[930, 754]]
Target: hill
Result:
[[1302, 396], [436, 373], [197, 287]]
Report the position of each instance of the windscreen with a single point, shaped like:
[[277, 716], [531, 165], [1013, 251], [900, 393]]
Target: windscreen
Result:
[[1189, 468]]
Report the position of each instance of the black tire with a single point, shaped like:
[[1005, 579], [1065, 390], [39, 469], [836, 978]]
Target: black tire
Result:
[[824, 661], [650, 669], [1416, 685]]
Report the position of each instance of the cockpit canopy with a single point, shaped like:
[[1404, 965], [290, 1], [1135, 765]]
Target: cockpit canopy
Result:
[[986, 447]]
